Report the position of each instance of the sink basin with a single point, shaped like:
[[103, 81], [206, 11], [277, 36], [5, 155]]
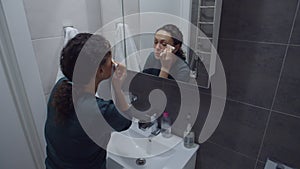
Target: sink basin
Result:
[[129, 149], [132, 145]]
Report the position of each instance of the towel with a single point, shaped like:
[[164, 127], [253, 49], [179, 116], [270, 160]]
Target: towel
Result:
[[132, 59], [69, 33]]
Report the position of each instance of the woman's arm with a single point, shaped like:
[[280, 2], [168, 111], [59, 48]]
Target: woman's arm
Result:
[[117, 82], [167, 59]]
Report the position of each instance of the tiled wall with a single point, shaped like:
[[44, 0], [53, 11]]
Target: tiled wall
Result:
[[46, 20], [259, 47]]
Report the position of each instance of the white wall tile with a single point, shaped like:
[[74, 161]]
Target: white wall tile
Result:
[[47, 52], [93, 11], [47, 18], [111, 10]]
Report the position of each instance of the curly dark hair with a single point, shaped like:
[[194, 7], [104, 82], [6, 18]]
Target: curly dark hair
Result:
[[94, 46], [177, 37]]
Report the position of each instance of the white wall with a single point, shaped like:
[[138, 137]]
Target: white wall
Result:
[[15, 152], [111, 14], [23, 108], [46, 20]]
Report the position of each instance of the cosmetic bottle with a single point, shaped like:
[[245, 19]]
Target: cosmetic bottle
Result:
[[166, 125]]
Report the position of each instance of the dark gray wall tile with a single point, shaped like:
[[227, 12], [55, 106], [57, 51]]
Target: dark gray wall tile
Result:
[[282, 140], [211, 156], [257, 20], [183, 103], [296, 31], [252, 70], [205, 103], [260, 165], [241, 128], [288, 95]]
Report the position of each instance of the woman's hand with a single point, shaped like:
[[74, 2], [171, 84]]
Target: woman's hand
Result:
[[167, 59], [119, 76]]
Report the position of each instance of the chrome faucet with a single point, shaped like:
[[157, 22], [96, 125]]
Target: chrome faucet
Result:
[[150, 127]]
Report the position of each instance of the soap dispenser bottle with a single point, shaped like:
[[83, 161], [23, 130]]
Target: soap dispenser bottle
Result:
[[188, 135]]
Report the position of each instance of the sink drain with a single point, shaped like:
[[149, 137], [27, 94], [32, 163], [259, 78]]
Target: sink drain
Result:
[[140, 161]]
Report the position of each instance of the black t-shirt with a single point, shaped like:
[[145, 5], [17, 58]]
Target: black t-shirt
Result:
[[179, 71], [68, 145]]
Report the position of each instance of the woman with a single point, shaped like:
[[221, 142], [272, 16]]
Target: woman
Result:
[[68, 145], [168, 59]]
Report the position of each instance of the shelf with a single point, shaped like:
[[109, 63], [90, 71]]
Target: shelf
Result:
[[206, 7], [208, 23]]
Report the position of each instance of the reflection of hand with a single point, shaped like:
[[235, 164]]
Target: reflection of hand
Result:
[[167, 58], [119, 76]]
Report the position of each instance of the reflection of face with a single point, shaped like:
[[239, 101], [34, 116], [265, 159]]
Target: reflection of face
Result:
[[161, 39]]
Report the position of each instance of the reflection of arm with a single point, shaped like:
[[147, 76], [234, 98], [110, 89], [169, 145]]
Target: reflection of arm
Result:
[[163, 73]]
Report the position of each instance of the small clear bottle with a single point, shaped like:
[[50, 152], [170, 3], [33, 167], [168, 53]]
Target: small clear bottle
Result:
[[166, 125], [188, 137]]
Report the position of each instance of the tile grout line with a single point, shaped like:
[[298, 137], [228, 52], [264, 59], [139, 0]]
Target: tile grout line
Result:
[[295, 45], [248, 104], [251, 41], [50, 37], [286, 114], [255, 106], [237, 101], [229, 149], [277, 86]]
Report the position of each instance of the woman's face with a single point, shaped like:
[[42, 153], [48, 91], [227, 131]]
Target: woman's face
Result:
[[107, 68], [161, 39]]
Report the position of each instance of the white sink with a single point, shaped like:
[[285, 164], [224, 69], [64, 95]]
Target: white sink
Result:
[[126, 148]]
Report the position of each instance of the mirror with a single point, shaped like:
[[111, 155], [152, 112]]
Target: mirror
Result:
[[136, 32]]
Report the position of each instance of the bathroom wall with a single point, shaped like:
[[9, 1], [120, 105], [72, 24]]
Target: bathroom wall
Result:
[[46, 20], [22, 99], [259, 47], [13, 142]]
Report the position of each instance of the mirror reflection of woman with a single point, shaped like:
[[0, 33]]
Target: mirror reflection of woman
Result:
[[168, 58], [68, 145]]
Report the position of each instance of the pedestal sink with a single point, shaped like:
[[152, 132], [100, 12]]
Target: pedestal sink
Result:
[[131, 150]]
